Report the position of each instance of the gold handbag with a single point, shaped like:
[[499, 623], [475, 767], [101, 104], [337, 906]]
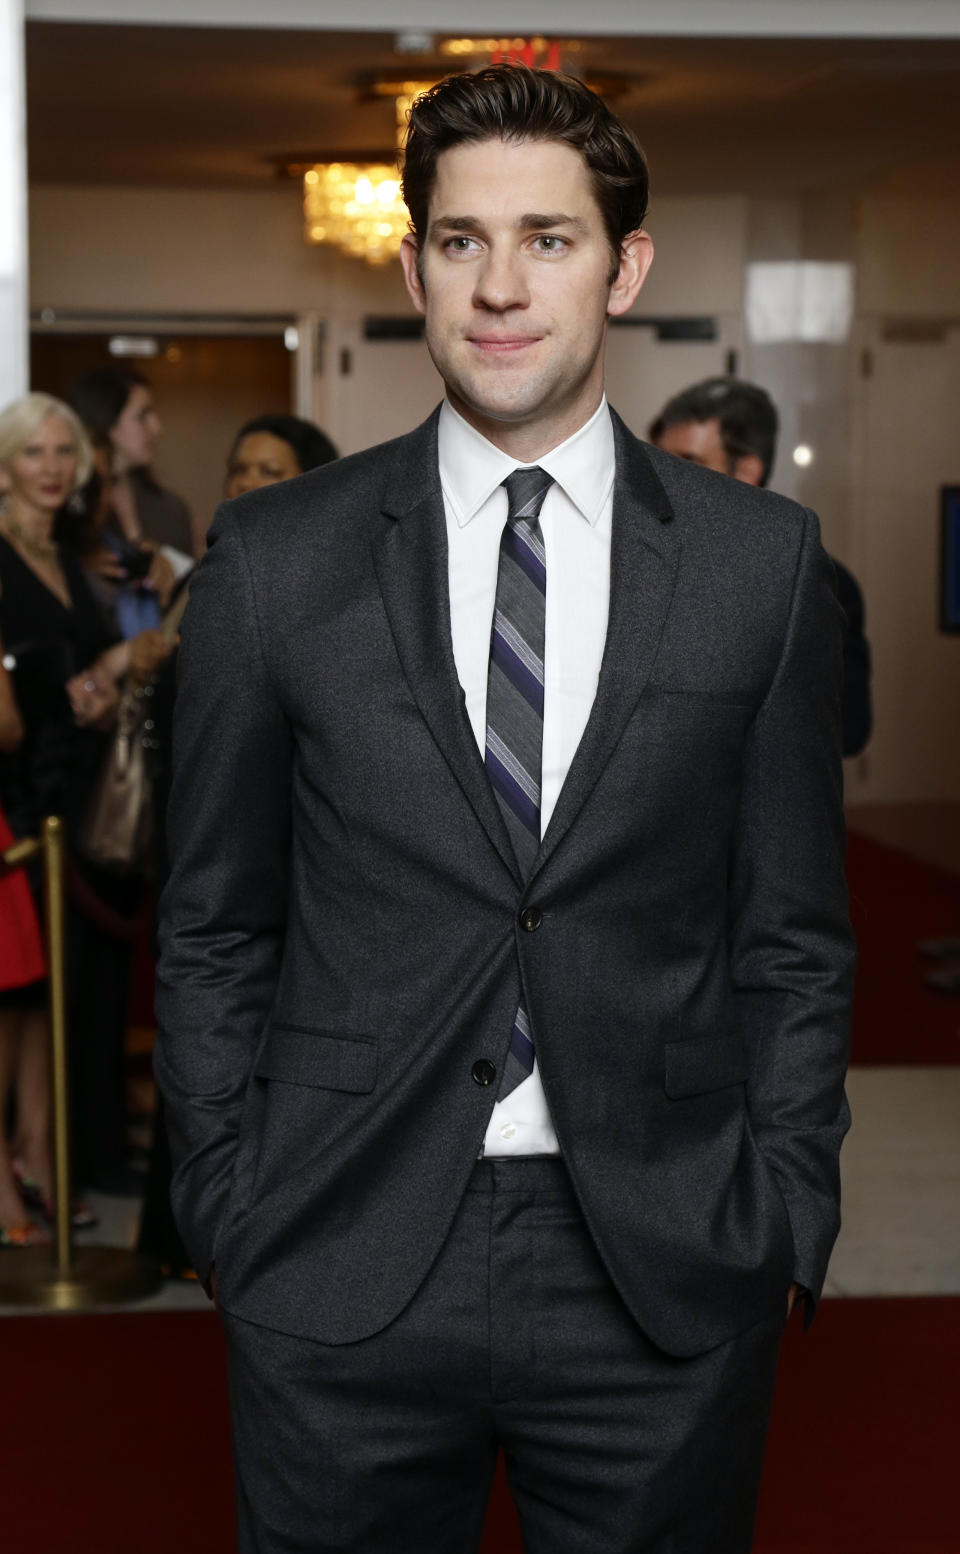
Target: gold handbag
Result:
[[117, 828]]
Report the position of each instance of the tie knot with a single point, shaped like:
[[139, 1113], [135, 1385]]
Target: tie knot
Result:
[[526, 489]]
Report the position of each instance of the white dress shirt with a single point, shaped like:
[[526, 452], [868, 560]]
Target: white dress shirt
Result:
[[576, 520]]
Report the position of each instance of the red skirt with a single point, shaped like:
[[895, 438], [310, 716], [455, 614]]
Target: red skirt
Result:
[[21, 947]]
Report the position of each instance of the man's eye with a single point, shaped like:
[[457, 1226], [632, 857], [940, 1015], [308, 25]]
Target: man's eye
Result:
[[460, 244], [549, 243]]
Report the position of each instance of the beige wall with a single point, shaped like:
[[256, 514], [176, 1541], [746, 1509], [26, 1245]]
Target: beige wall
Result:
[[191, 250], [907, 447], [883, 442]]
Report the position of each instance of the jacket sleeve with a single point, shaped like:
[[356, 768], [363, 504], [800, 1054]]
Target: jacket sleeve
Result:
[[857, 711], [792, 948], [223, 910]]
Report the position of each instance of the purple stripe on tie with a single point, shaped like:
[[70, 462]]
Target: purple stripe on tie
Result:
[[513, 795], [516, 672], [522, 1048], [512, 545]]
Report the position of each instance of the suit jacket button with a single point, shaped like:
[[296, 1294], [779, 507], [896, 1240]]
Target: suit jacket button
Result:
[[483, 1072], [530, 919]]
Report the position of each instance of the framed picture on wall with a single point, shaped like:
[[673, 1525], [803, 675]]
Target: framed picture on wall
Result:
[[950, 559]]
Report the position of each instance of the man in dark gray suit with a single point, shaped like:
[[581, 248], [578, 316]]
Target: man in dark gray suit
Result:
[[506, 964]]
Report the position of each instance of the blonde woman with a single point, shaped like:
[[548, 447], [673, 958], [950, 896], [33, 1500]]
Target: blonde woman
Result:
[[47, 635], [65, 664]]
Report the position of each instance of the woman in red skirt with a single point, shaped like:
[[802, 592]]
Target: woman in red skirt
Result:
[[24, 1067]]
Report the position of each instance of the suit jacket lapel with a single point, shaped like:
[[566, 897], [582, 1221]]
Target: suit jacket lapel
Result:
[[644, 556], [410, 557]]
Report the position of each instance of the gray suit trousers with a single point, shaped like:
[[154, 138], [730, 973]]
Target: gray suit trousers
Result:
[[518, 1340]]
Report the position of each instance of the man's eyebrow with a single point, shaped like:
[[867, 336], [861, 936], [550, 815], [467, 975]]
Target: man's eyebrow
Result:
[[535, 222], [455, 224], [532, 221]]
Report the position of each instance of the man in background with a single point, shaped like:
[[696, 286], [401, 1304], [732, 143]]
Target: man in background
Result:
[[731, 426]]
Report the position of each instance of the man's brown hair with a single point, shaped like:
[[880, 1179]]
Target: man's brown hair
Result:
[[515, 103]]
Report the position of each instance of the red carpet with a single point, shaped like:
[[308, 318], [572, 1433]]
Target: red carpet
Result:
[[115, 1438], [894, 901]]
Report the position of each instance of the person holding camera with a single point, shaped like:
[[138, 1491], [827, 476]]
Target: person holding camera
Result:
[[132, 580], [116, 405]]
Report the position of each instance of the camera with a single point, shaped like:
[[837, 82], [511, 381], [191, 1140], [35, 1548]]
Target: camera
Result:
[[135, 562]]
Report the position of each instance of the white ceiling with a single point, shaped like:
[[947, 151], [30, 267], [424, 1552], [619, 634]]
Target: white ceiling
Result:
[[710, 18], [213, 106]]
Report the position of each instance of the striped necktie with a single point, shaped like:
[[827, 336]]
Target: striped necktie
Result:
[[515, 700]]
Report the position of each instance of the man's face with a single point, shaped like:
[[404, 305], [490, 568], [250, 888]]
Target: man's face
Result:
[[514, 284], [701, 442]]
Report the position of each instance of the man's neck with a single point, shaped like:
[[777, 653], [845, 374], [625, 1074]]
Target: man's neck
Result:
[[528, 442]]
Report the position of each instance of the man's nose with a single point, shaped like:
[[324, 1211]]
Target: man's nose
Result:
[[501, 282]]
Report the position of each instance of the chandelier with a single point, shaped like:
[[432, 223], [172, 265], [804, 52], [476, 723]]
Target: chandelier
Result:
[[356, 206]]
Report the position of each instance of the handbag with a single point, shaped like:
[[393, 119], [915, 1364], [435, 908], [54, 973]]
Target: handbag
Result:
[[117, 828]]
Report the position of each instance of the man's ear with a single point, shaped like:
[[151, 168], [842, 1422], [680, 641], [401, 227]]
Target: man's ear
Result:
[[636, 257], [410, 258], [748, 468]]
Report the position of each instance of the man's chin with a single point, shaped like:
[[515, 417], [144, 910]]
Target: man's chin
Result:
[[504, 409]]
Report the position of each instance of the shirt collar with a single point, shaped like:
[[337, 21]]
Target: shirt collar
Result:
[[471, 468]]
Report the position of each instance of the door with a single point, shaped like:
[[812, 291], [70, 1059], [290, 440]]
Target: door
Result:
[[908, 448], [206, 386]]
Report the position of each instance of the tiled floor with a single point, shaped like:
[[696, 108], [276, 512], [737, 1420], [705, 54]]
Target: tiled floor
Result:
[[901, 1184], [118, 1227]]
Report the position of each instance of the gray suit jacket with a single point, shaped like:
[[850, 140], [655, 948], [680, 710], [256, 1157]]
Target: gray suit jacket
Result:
[[341, 933]]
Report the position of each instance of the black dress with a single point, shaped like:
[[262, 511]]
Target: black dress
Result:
[[53, 773], [44, 644]]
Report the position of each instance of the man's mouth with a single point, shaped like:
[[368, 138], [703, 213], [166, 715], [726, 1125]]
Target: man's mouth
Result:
[[497, 345]]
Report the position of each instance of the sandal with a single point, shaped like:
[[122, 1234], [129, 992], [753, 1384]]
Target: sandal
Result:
[[27, 1234], [82, 1216]]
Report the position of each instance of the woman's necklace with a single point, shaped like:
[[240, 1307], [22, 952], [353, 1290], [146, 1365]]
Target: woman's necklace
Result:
[[42, 550]]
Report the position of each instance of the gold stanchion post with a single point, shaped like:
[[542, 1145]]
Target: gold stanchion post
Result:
[[65, 1278]]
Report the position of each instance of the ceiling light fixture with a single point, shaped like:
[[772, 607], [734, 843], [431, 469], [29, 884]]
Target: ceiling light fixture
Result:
[[543, 53], [356, 206]]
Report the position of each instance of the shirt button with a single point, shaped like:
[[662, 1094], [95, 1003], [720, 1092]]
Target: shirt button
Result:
[[509, 1130], [483, 1072], [530, 919]]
